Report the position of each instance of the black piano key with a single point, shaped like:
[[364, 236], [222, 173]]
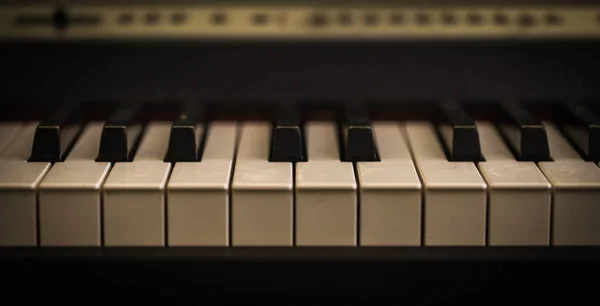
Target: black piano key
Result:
[[583, 128], [525, 134], [55, 135], [120, 134], [184, 140], [358, 141], [459, 133], [287, 142]]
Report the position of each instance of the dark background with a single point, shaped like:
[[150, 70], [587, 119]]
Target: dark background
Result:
[[46, 72]]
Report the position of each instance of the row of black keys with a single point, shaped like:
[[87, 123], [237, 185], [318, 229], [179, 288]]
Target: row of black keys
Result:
[[522, 130]]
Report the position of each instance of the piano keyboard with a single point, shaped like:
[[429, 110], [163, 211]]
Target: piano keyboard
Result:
[[459, 181]]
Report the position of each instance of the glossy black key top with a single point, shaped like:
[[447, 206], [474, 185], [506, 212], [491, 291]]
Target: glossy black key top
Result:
[[459, 133], [358, 143], [120, 134], [582, 126], [525, 134], [186, 133], [55, 135], [287, 142]]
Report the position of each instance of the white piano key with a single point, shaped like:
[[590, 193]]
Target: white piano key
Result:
[[390, 141], [198, 192], [455, 193], [492, 145], [8, 130], [559, 146], [323, 144], [325, 192], [390, 192], [519, 203], [576, 202], [519, 195], [87, 146], [221, 142], [20, 147], [262, 192], [134, 194], [576, 194], [19, 181], [69, 195], [155, 141]]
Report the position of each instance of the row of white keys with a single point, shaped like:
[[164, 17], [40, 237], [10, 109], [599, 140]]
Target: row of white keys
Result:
[[560, 149], [455, 193], [198, 192], [390, 192], [19, 181], [262, 200], [326, 203], [69, 195], [134, 193], [262, 210], [576, 193], [518, 194]]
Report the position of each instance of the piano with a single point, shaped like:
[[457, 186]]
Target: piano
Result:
[[222, 151]]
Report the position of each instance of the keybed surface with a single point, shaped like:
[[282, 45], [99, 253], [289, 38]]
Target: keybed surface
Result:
[[414, 194]]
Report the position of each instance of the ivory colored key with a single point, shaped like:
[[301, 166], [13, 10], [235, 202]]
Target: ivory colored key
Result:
[[390, 192], [325, 192], [262, 192], [581, 125], [492, 143], [198, 192], [134, 193], [519, 195], [576, 194], [20, 147], [560, 149], [69, 195], [155, 142], [8, 130], [455, 193], [87, 146], [19, 181]]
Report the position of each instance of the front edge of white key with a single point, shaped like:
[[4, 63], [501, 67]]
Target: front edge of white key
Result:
[[326, 209], [198, 192], [519, 203], [454, 192], [134, 204], [262, 204], [455, 204], [198, 203], [575, 202], [70, 204], [390, 192], [390, 203]]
